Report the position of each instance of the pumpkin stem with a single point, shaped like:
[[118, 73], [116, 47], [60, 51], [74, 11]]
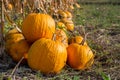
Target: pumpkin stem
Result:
[[84, 39], [13, 71], [19, 30], [38, 10], [85, 35]]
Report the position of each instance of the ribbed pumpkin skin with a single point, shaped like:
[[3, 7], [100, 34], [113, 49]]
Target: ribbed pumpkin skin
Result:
[[18, 49], [11, 39], [69, 15], [10, 32], [47, 55], [37, 26], [80, 57], [15, 44], [61, 36]]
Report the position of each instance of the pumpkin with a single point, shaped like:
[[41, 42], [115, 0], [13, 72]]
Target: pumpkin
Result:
[[62, 14], [71, 7], [60, 25], [76, 39], [37, 25], [18, 50], [61, 36], [77, 5], [80, 57], [66, 20], [12, 31], [68, 23], [15, 45], [10, 6], [70, 26], [69, 15], [11, 39], [48, 56]]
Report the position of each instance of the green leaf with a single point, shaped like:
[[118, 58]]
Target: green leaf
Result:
[[104, 76], [76, 78]]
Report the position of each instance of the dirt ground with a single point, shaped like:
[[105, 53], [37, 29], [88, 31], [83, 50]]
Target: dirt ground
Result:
[[106, 46]]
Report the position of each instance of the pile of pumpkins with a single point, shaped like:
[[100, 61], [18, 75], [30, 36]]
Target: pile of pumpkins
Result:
[[65, 19], [45, 47]]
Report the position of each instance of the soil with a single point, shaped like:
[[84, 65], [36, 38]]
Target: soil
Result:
[[106, 46]]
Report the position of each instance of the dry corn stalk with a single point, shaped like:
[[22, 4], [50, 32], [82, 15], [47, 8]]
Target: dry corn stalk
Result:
[[1, 28], [45, 5]]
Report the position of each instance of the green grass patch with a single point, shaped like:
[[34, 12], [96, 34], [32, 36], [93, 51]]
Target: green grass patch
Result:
[[98, 15]]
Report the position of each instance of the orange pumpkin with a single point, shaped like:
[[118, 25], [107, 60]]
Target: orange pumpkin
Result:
[[15, 45], [12, 31], [61, 25], [70, 27], [13, 38], [37, 26], [69, 15], [18, 50], [48, 56], [10, 7], [76, 39], [80, 57]]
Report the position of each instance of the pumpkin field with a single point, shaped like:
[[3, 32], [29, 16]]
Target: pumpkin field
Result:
[[59, 40]]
